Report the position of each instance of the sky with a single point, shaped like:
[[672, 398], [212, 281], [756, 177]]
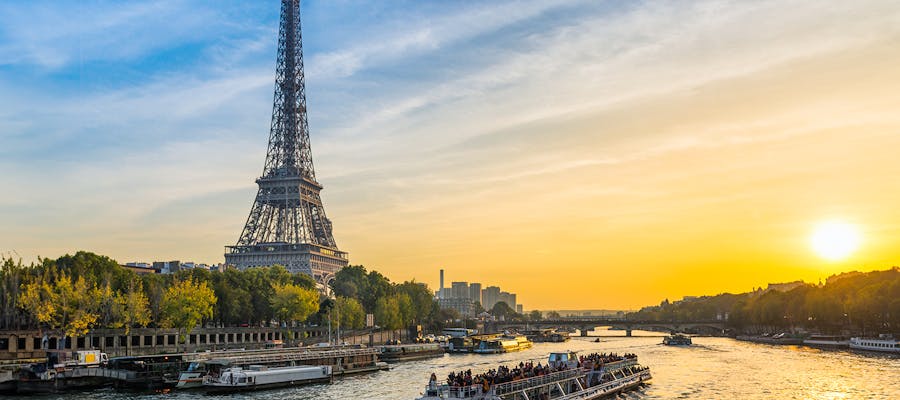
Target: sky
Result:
[[580, 153]]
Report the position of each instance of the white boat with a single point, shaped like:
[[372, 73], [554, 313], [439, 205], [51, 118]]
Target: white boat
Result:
[[885, 343], [827, 341], [566, 379], [237, 379], [192, 378], [458, 332]]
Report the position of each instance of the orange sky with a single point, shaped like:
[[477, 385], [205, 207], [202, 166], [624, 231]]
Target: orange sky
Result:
[[583, 156]]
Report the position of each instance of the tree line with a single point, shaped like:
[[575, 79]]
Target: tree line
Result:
[[861, 302], [75, 293]]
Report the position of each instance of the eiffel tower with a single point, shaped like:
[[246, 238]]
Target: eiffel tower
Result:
[[287, 223]]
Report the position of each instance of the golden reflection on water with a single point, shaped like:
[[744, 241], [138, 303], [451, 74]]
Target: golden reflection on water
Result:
[[714, 368]]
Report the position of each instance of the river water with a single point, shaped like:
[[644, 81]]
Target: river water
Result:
[[713, 368]]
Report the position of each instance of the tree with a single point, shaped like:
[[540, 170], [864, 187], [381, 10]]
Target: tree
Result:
[[294, 303], [387, 313], [553, 315], [78, 303], [38, 300], [347, 313], [534, 315], [185, 305], [502, 310], [421, 299], [135, 308]]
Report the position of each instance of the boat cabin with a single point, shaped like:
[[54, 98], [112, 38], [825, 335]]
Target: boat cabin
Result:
[[569, 359]]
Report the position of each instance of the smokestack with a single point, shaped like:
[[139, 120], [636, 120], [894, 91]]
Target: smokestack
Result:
[[441, 289]]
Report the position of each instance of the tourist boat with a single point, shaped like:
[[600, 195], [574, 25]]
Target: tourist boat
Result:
[[677, 340], [885, 343], [257, 377], [458, 332], [827, 341], [569, 381], [503, 344], [547, 335]]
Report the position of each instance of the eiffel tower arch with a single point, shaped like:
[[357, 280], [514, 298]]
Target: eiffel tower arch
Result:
[[287, 223]]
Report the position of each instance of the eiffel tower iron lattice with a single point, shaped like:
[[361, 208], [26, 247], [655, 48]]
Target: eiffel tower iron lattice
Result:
[[287, 223]]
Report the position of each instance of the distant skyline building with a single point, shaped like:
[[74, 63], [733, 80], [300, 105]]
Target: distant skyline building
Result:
[[462, 296], [459, 290], [287, 223], [441, 288], [475, 292], [490, 295]]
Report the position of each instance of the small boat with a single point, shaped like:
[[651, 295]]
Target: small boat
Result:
[[597, 340], [677, 340], [885, 343], [257, 377]]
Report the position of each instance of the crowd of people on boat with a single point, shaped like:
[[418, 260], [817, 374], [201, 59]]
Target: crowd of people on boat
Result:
[[597, 360], [502, 374]]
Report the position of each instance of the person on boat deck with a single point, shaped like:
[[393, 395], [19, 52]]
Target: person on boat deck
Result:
[[433, 379]]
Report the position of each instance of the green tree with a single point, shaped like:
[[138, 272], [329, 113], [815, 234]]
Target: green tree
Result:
[[347, 313], [553, 315], [185, 305], [502, 310], [387, 313], [534, 315], [294, 303]]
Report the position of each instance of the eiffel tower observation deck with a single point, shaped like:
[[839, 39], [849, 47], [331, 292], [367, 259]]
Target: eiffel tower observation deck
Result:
[[287, 223]]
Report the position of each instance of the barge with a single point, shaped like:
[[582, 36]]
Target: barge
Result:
[[409, 352]]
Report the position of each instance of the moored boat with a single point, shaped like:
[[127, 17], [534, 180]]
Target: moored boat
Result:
[[884, 343], [677, 339], [828, 341], [503, 344], [566, 376], [257, 377]]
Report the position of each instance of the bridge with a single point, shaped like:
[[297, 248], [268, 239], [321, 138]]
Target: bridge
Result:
[[585, 324]]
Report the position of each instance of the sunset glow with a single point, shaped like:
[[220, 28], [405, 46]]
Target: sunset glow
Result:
[[584, 144], [835, 240]]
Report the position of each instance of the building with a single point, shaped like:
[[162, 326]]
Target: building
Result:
[[508, 298], [167, 267], [475, 292], [490, 296], [142, 269], [519, 308], [459, 290], [464, 306]]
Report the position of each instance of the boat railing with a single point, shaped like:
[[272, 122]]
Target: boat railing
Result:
[[300, 356], [522, 384], [628, 362]]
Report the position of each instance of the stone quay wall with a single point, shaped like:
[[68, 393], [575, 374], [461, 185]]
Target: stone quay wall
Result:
[[30, 344]]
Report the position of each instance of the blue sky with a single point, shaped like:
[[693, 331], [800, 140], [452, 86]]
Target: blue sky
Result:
[[472, 135]]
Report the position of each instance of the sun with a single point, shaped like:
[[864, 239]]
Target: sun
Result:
[[835, 240]]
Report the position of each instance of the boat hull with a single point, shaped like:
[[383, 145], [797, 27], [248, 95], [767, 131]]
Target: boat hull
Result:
[[222, 389]]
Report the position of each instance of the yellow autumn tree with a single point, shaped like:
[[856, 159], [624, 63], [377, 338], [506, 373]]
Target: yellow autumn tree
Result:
[[185, 305], [37, 299], [294, 303]]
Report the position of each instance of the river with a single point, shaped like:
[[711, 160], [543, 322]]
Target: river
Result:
[[713, 368]]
